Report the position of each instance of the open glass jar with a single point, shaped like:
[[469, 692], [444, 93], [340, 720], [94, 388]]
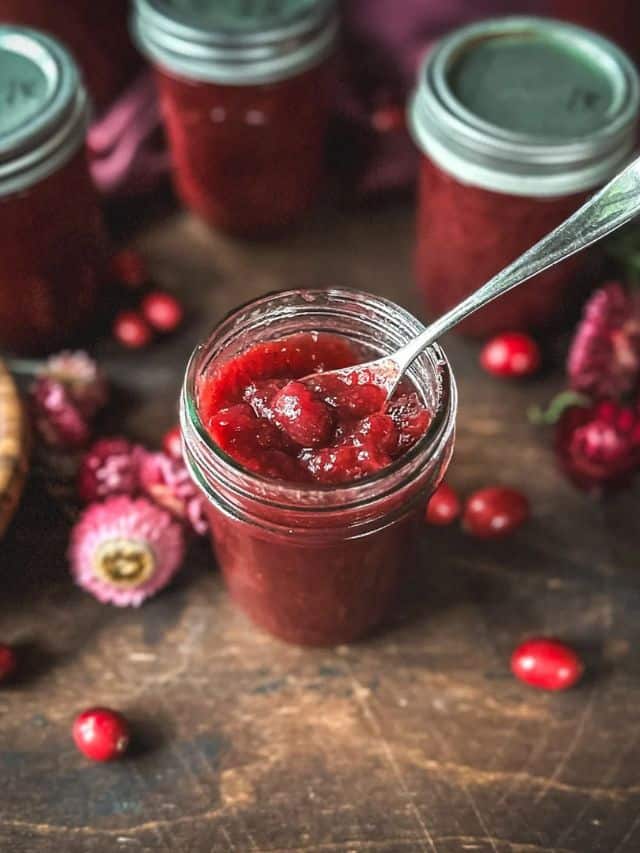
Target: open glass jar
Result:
[[313, 564], [518, 121], [52, 239], [245, 95]]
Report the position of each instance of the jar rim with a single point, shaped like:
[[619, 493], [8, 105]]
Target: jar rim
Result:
[[196, 49], [202, 449], [40, 143], [484, 154]]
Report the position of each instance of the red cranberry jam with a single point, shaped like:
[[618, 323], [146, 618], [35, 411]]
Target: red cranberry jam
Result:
[[245, 95], [328, 431], [53, 243]]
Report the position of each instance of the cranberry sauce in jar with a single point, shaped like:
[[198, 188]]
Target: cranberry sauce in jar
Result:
[[52, 240], [245, 95], [316, 495], [518, 121]]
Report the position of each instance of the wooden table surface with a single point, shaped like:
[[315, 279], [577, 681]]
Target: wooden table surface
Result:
[[418, 739]]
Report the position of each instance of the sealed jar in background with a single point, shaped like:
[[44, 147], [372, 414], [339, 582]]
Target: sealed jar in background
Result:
[[52, 240], [245, 93], [96, 34], [315, 564], [518, 120]]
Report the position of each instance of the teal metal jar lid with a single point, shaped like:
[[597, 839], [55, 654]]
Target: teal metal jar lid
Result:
[[527, 106], [238, 42], [43, 108]]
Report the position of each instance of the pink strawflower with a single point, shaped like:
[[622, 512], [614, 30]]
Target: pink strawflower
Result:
[[123, 551], [598, 446], [604, 359], [167, 482], [109, 467], [83, 380], [56, 417]]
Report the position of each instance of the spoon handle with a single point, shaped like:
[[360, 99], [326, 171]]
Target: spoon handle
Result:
[[613, 206]]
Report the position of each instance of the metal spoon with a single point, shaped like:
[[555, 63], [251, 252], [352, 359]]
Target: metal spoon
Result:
[[608, 209]]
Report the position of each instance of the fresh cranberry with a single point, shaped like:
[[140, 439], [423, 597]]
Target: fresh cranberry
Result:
[[511, 354], [444, 506], [162, 311], [7, 662], [304, 418], [101, 734], [172, 443], [495, 512], [132, 330], [129, 268], [546, 663]]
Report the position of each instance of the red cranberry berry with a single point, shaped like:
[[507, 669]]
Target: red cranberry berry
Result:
[[162, 311], [495, 512], [302, 416], [546, 663], [7, 661], [101, 734], [132, 330], [129, 268], [172, 443], [444, 506], [511, 354]]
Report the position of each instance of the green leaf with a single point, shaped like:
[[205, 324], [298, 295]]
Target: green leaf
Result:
[[557, 407]]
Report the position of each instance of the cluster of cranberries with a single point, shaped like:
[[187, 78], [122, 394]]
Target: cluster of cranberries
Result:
[[490, 513], [158, 312]]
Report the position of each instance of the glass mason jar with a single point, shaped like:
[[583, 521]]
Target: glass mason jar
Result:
[[52, 240], [518, 120], [95, 33], [313, 564], [245, 94]]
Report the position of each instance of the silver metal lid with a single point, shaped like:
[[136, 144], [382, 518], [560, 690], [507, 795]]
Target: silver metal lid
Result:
[[44, 109], [238, 42], [526, 106]]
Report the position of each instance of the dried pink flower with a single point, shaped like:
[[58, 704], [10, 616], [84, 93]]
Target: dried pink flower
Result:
[[166, 480], [82, 378], [604, 358], [598, 446], [123, 551], [56, 417], [110, 467]]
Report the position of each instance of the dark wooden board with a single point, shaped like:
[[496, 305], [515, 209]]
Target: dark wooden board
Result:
[[418, 739]]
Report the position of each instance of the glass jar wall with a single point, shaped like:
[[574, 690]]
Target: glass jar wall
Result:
[[317, 564]]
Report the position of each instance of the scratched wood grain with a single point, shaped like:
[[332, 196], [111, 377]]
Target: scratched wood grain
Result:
[[417, 740]]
